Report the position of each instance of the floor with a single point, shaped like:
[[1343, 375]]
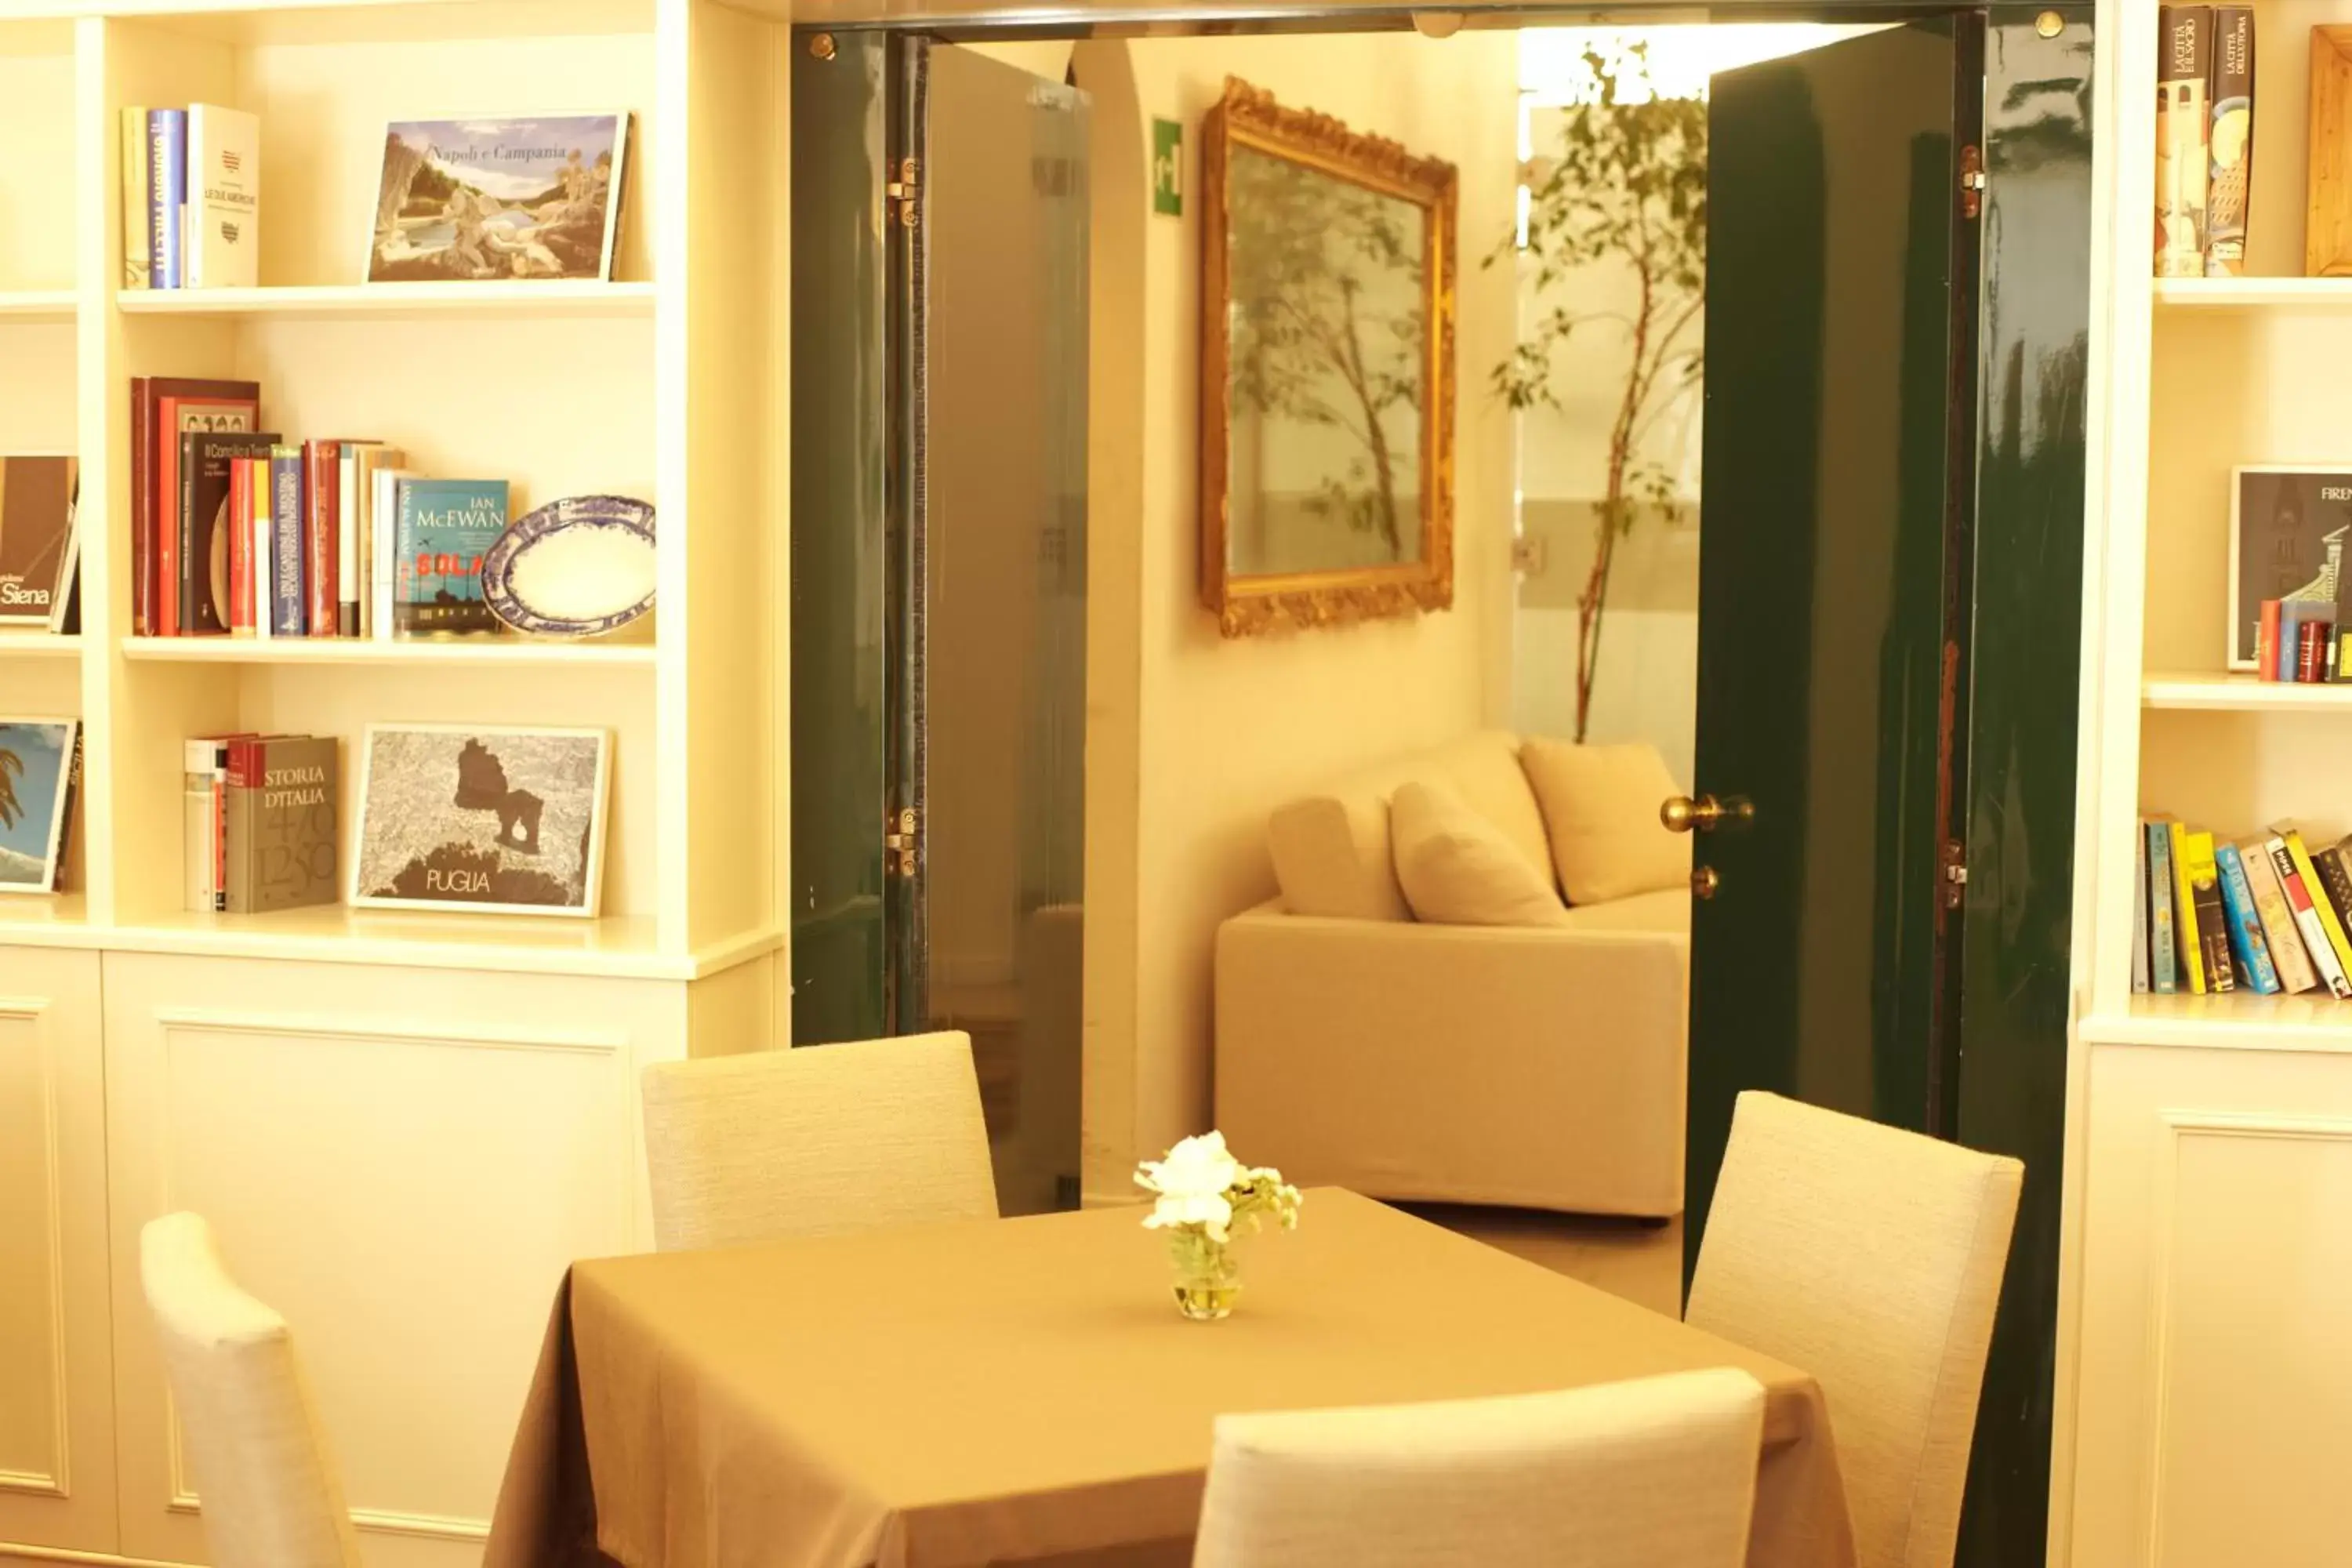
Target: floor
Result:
[[1639, 1259]]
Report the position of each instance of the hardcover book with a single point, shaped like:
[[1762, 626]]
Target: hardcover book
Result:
[[177, 415], [224, 197], [167, 195], [195, 404], [2288, 526], [2163, 952], [285, 594], [137, 188], [2229, 152], [2247, 945], [495, 820], [282, 811], [442, 531], [204, 524], [40, 766], [37, 498], [2289, 957], [2184, 57], [534, 196]]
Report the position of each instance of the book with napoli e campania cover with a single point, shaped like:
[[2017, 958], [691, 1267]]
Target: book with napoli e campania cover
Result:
[[281, 810]]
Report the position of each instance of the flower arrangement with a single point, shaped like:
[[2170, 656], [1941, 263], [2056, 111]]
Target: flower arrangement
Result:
[[1202, 1197]]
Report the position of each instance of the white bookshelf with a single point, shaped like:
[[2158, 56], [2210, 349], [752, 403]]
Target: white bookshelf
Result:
[[2243, 694], [483, 653], [496, 301], [16, 644], [2253, 294], [37, 305]]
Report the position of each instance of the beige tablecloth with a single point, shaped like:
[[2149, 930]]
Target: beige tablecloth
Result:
[[1023, 1390]]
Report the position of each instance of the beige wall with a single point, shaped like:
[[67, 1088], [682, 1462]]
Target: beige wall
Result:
[[1226, 731]]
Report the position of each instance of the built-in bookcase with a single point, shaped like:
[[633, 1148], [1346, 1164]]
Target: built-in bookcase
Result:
[[2211, 373], [560, 389]]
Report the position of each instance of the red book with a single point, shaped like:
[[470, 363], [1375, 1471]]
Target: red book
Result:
[[153, 492], [323, 485], [2311, 639], [240, 547], [2266, 636]]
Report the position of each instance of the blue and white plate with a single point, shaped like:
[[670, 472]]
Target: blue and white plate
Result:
[[576, 567]]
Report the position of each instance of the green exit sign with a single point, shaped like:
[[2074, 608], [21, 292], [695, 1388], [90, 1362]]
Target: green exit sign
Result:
[[1168, 168]]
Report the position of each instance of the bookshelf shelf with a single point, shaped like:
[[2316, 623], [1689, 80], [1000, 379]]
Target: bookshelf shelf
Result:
[[2305, 1023], [37, 304], [485, 652], [2243, 694], [2253, 294], [38, 644], [397, 302]]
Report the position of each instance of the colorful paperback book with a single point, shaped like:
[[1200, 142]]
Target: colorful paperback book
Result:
[[2322, 933], [2229, 151], [2219, 969], [224, 197], [2184, 55], [167, 177], [2247, 944], [2163, 953], [137, 190], [286, 592], [2186, 937], [442, 532], [2284, 938]]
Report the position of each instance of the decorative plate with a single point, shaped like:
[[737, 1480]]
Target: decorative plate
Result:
[[576, 567]]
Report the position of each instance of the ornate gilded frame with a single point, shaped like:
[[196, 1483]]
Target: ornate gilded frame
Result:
[[1244, 606]]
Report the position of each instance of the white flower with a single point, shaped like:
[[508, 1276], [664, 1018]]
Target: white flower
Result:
[[1197, 1167], [1210, 1211]]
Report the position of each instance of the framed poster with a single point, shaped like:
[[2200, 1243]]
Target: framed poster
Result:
[[2289, 523], [483, 818], [40, 760]]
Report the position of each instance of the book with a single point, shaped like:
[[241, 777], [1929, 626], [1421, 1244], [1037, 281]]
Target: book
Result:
[[137, 176], [2312, 635], [146, 395], [442, 531], [383, 505], [37, 496], [2184, 57], [535, 197], [2266, 640], [286, 591], [179, 410], [203, 523], [205, 782], [2315, 916], [43, 770], [2186, 938], [282, 803], [322, 536], [357, 461], [224, 197], [375, 515], [167, 193], [65, 605], [2216, 969], [260, 534], [2335, 889], [2139, 912], [238, 525], [2248, 947], [2163, 950], [2284, 938], [2230, 141]]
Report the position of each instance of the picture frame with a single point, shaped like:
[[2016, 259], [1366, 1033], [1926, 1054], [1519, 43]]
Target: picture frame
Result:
[[40, 772], [482, 819], [2290, 530], [518, 198], [1323, 249]]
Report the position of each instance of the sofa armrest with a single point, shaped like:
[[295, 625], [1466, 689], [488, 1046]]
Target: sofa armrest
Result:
[[1539, 1068]]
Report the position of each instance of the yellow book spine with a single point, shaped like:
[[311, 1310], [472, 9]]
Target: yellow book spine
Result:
[[2320, 905], [2184, 912]]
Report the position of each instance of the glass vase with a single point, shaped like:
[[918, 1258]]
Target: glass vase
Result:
[[1208, 1279]]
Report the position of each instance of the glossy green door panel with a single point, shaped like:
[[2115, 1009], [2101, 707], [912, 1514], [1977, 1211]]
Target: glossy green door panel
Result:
[[838, 646], [2016, 931], [1829, 484]]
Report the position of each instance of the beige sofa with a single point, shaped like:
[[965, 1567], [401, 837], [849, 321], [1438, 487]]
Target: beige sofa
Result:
[[1533, 1067]]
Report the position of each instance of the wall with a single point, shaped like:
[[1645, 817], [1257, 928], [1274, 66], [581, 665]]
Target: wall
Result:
[[1226, 730]]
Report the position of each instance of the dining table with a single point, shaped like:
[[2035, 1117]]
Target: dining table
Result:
[[1025, 1391]]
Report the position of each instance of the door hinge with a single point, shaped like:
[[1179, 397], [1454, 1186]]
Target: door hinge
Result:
[[905, 192], [1954, 859], [1972, 181], [898, 842]]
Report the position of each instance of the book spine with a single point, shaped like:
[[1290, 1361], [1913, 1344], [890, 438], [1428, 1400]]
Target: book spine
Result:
[[2307, 923], [166, 525], [2311, 639], [2338, 968], [142, 506], [384, 507], [261, 534], [65, 816], [2184, 911], [2230, 141], [240, 548], [347, 541], [2290, 614], [286, 540], [2139, 913], [137, 265], [2163, 954], [2247, 944], [196, 823], [319, 540], [2185, 35], [167, 153], [186, 554], [242, 784], [2266, 641], [2289, 957], [2213, 919]]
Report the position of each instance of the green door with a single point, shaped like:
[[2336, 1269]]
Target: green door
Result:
[[1832, 643]]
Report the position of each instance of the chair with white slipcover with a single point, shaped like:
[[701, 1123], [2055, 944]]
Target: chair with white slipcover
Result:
[[1871, 1257], [265, 1484], [1658, 1472], [817, 1141]]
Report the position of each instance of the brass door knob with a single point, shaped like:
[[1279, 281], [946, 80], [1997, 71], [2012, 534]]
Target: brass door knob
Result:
[[1681, 813]]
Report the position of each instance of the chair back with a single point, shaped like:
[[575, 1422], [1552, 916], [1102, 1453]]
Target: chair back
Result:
[[1871, 1257], [265, 1482], [816, 1141], [1655, 1473]]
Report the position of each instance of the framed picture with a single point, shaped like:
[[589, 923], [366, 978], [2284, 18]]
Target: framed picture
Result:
[[480, 817], [40, 763], [515, 196], [2289, 524]]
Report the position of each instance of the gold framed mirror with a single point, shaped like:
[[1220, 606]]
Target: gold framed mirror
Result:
[[1327, 370]]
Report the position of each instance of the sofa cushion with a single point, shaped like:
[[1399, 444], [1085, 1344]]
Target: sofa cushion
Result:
[[1601, 805], [1458, 868], [1331, 849], [1668, 911]]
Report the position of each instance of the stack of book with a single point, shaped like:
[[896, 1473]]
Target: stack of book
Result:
[[191, 198], [2204, 138], [2266, 914], [261, 814], [236, 531]]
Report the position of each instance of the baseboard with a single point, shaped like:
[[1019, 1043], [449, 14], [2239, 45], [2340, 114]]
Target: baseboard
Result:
[[14, 1553]]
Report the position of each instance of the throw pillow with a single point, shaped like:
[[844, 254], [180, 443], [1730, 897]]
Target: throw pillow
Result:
[[1600, 808], [1458, 868]]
